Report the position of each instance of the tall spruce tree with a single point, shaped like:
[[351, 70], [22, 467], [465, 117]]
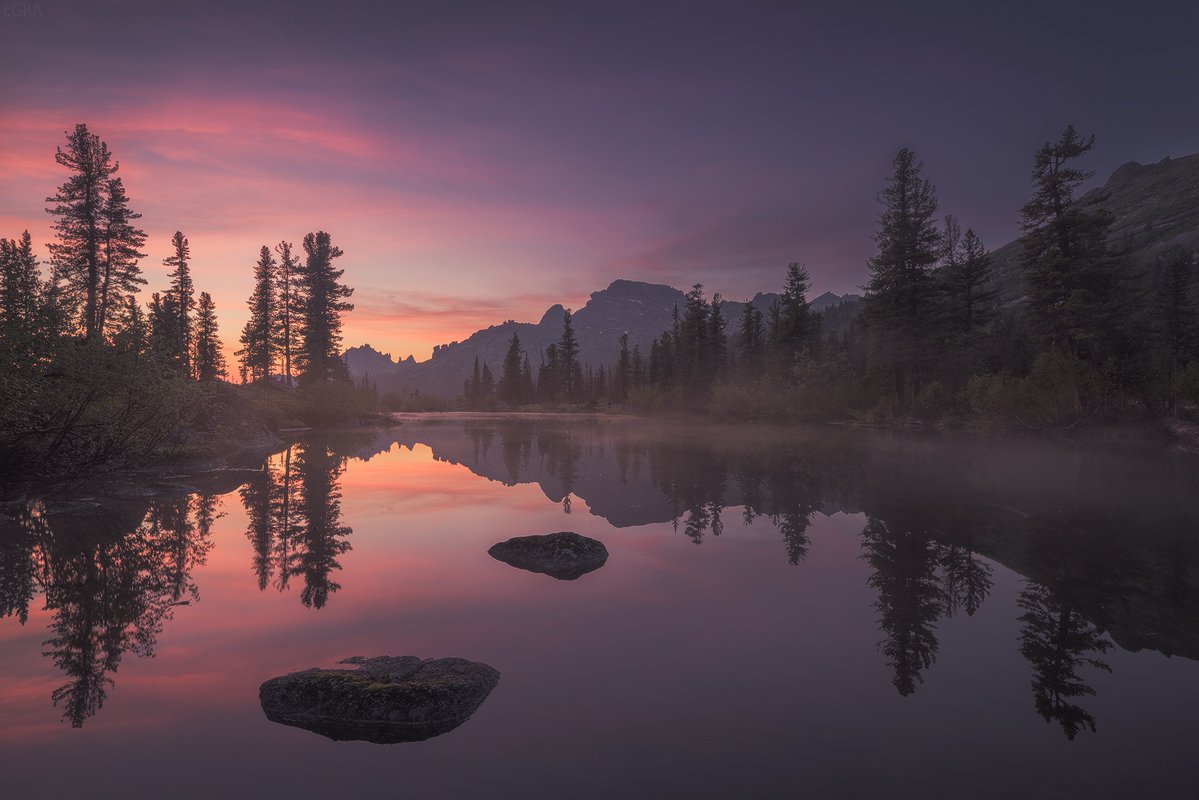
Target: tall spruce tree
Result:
[[694, 340], [549, 383], [473, 387], [796, 322], [751, 339], [900, 295], [78, 209], [623, 378], [718, 341], [1071, 279], [570, 372], [258, 338], [56, 311], [527, 389], [210, 361], [966, 282], [182, 292], [774, 321], [164, 329], [287, 294], [511, 384], [324, 301], [122, 241], [486, 383], [134, 333], [19, 294]]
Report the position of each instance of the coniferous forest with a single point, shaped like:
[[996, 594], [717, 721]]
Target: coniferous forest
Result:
[[94, 375], [1091, 336]]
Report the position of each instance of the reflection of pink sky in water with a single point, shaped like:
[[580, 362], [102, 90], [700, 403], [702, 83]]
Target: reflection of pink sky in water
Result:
[[722, 659]]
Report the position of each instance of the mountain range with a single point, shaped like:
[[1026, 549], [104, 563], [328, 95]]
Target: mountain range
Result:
[[1155, 207], [642, 310]]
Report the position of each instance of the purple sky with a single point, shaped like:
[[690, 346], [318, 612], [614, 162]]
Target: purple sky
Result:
[[479, 161]]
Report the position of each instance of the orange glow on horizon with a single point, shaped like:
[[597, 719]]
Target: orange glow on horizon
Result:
[[234, 175]]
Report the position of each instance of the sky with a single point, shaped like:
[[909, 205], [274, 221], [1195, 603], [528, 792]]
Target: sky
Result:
[[482, 161]]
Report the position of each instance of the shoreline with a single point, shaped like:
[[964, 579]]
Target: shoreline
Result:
[[223, 461], [1167, 436]]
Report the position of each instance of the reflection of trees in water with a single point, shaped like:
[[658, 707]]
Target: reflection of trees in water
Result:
[[111, 588], [295, 530], [926, 520], [1058, 642], [919, 580], [921, 554], [967, 579], [516, 449], [697, 518], [206, 512], [561, 449], [789, 497], [909, 601], [256, 497], [113, 573], [694, 487], [699, 483], [19, 570], [794, 527], [482, 436], [321, 536], [184, 524]]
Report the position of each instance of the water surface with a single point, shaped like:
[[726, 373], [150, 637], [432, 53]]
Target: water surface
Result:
[[802, 613]]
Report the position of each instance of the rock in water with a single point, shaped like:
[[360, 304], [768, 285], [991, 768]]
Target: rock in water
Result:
[[565, 556], [387, 699]]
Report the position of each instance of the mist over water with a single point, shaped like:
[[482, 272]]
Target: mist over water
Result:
[[817, 612]]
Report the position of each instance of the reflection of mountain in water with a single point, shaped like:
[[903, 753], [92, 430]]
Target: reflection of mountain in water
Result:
[[1108, 545], [560, 458], [1122, 528]]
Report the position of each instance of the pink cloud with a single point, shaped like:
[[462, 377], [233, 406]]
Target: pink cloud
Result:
[[235, 174], [441, 215]]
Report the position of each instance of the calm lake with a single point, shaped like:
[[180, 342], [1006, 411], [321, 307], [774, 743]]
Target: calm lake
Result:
[[825, 614]]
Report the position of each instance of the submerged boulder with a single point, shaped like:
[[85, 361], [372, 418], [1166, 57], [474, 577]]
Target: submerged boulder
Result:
[[565, 556], [387, 699]]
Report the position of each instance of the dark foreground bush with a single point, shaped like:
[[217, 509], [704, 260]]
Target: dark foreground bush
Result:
[[88, 407]]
